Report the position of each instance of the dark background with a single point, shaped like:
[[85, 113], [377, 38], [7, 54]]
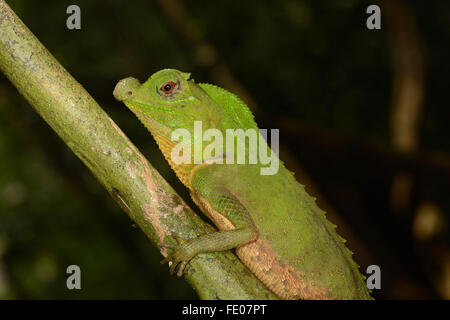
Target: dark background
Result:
[[363, 118]]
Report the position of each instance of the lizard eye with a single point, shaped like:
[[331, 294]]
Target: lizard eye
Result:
[[168, 87]]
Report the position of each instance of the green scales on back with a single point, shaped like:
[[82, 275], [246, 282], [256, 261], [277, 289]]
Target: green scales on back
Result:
[[277, 229]]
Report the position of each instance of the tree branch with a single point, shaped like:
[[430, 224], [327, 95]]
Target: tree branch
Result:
[[408, 93], [124, 172]]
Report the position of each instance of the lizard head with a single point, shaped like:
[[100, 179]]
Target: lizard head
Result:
[[168, 98]]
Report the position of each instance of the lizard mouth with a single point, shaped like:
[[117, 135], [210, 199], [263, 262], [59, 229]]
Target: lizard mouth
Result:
[[140, 107]]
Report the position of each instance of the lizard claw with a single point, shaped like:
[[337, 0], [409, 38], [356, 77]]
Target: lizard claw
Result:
[[180, 256]]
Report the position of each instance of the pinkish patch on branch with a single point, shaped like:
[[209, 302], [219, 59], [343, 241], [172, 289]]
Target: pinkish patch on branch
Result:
[[153, 215]]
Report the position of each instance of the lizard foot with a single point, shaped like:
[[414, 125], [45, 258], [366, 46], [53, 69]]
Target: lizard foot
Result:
[[180, 256]]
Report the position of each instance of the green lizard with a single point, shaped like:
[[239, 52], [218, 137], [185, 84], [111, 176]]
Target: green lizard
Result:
[[277, 229]]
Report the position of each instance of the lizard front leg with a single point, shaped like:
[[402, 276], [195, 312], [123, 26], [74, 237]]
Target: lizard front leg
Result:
[[235, 224]]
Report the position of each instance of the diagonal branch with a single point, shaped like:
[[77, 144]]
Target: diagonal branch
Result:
[[124, 172]]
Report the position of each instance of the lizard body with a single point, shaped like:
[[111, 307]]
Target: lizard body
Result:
[[277, 229]]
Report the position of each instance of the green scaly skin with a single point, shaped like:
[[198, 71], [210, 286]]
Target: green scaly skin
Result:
[[276, 227]]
